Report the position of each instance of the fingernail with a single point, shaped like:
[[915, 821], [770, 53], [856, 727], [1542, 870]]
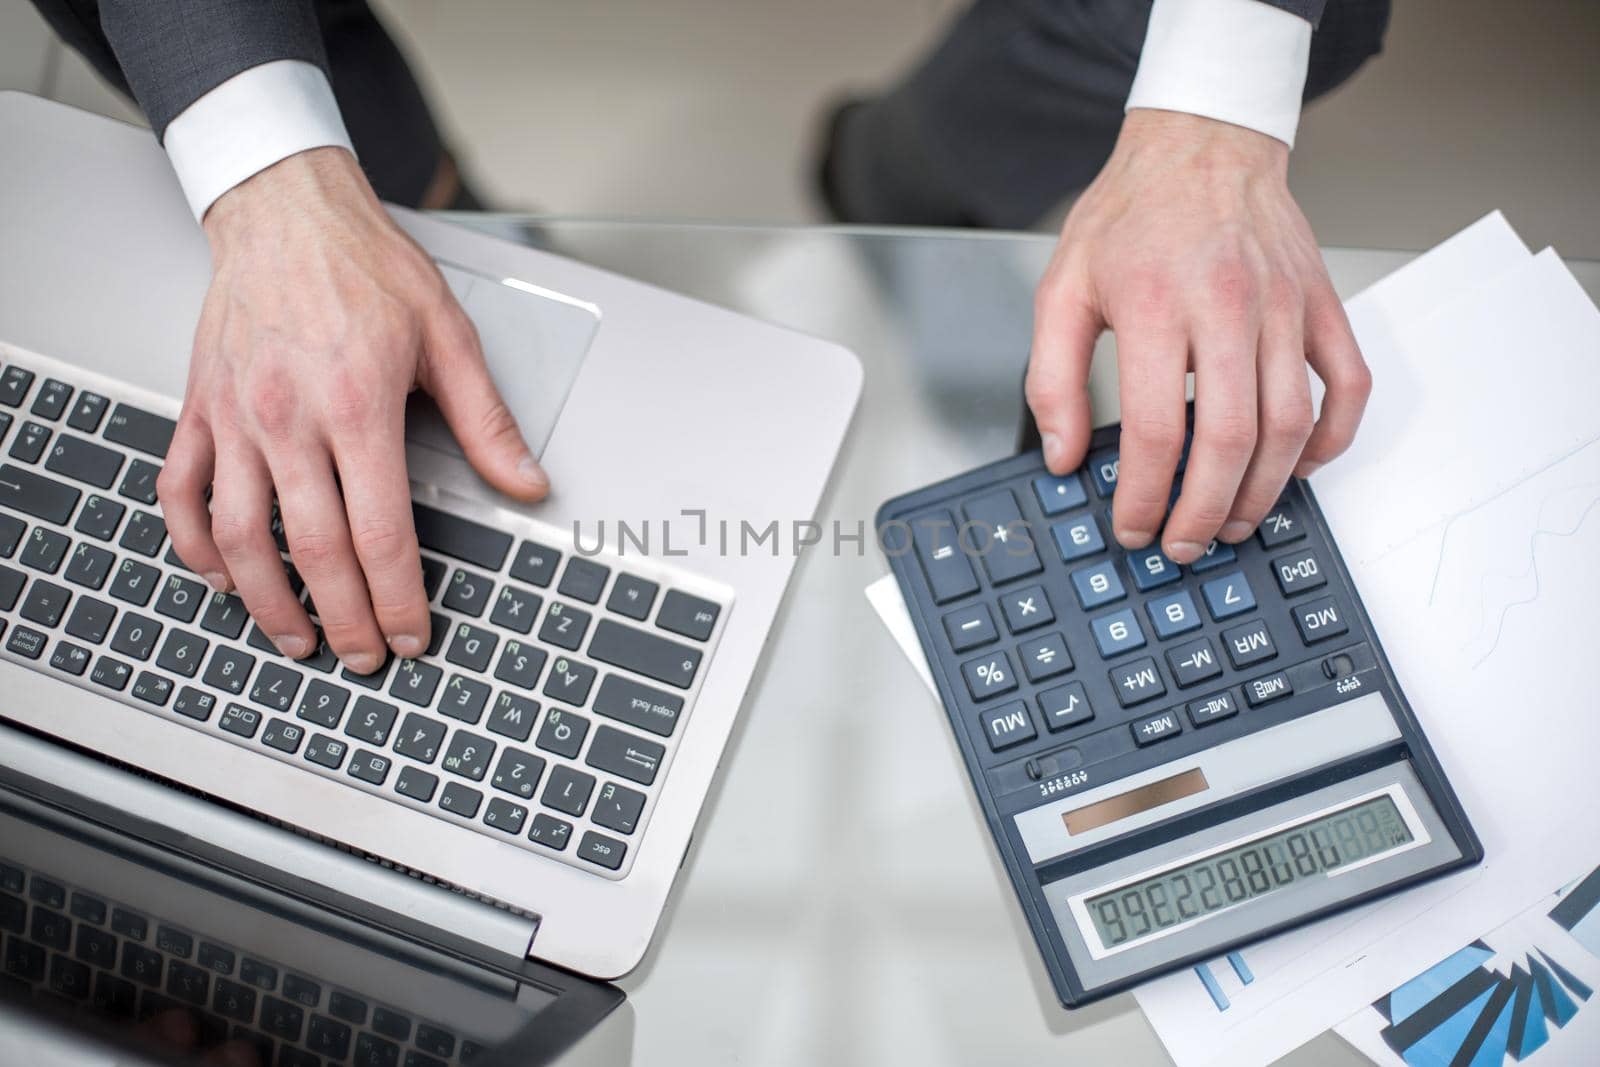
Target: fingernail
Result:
[[1184, 551], [1237, 530], [1134, 538], [407, 646], [362, 663], [217, 580], [528, 470], [1052, 448], [292, 645]]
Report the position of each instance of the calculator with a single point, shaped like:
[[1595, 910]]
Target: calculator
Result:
[[1173, 760]]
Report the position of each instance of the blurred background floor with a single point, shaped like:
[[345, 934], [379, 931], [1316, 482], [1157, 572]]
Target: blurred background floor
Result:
[[707, 109]]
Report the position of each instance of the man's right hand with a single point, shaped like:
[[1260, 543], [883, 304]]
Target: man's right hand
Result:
[[322, 316]]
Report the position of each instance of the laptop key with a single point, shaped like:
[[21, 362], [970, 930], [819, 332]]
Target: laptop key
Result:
[[70, 658], [371, 720], [11, 583], [644, 653], [14, 385], [84, 461], [87, 412], [229, 669], [52, 399], [136, 583], [468, 755], [513, 716], [96, 947], [584, 580], [152, 688], [11, 531], [276, 687], [283, 735], [517, 773], [463, 698], [515, 609], [549, 831], [194, 703], [180, 598], [234, 1001], [137, 428], [369, 766], [224, 615], [633, 597], [569, 681], [326, 751], [30, 442], [564, 626], [567, 790], [605, 851], [687, 615], [460, 800], [520, 665], [34, 494], [505, 816], [25, 641], [136, 636], [419, 737], [282, 1019], [415, 682], [535, 563], [323, 703], [562, 733], [139, 483], [182, 653], [416, 784], [471, 647], [637, 705], [91, 619], [111, 673], [618, 808], [89, 566], [44, 550], [468, 593], [372, 681], [633, 758], [240, 720], [45, 603], [100, 517], [458, 538]]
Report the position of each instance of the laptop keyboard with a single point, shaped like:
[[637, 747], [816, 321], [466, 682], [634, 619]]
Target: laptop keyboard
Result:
[[80, 952], [543, 714]]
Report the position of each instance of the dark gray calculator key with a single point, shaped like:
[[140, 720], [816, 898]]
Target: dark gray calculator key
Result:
[[11, 583], [584, 579], [1228, 595], [1006, 543], [471, 647], [1299, 571], [601, 850], [564, 626], [182, 653], [464, 698], [11, 531], [276, 687], [225, 615], [1320, 619], [371, 720], [1194, 662], [463, 539], [1078, 538], [1104, 467], [460, 800], [89, 566], [283, 735], [618, 808], [1281, 526], [181, 598], [44, 550], [1156, 728], [374, 680], [569, 681], [520, 664], [152, 688], [513, 716], [1217, 554], [688, 616], [416, 784], [238, 719], [1044, 657], [517, 773], [1057, 494], [26, 641], [562, 733], [637, 705], [1027, 609], [1151, 568], [326, 751], [515, 609], [136, 428], [633, 597], [1173, 614], [1098, 584], [99, 518], [34, 494], [45, 603], [1007, 725], [1137, 681], [70, 658], [229, 669], [1117, 633], [468, 755], [14, 385], [944, 562], [989, 676], [144, 535], [468, 593], [369, 766], [504, 815], [84, 461], [88, 411], [433, 572], [1249, 643], [550, 831], [970, 627], [135, 583], [52, 399], [1213, 708], [30, 442], [323, 703], [644, 653], [139, 483], [633, 758], [1259, 691], [419, 737], [194, 703], [1065, 706], [567, 790], [415, 682], [535, 563]]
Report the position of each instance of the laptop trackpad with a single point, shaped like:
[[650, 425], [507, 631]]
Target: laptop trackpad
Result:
[[534, 341]]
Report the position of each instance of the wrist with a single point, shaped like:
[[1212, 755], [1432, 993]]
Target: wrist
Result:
[[1196, 139], [298, 183]]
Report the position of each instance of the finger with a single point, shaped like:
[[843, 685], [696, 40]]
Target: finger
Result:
[[1065, 328], [1333, 353], [377, 502], [181, 487], [241, 517], [1224, 438], [1151, 364], [319, 543], [458, 380], [1283, 418]]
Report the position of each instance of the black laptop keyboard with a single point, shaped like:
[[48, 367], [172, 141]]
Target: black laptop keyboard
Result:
[[78, 952], [544, 712]]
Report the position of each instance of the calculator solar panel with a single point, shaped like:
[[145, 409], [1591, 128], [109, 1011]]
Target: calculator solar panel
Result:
[[1173, 759]]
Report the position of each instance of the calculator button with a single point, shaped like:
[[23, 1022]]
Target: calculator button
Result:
[[1117, 633], [1320, 620], [1156, 728], [970, 627], [1151, 569], [1217, 554], [1265, 690], [989, 676], [1010, 724], [946, 566], [1228, 596], [1059, 494], [1065, 706], [1007, 545], [1078, 538], [1173, 614], [1281, 526], [1194, 662], [1103, 471], [1026, 609], [1044, 657], [1137, 681], [1213, 708], [1098, 585], [1249, 643], [1299, 572]]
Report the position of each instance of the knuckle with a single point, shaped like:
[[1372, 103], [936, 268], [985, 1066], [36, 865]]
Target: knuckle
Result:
[[496, 423], [351, 400], [313, 550], [1232, 433], [275, 409], [233, 532], [1233, 286], [1288, 421], [1161, 435], [382, 544]]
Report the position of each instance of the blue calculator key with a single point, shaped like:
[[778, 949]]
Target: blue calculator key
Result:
[[1059, 494], [1319, 620], [1217, 554], [1228, 596], [970, 627], [1044, 657], [1103, 470], [1173, 614], [1098, 585], [1006, 542], [1065, 706], [989, 676], [946, 566], [1213, 708], [1137, 681], [1299, 571], [1078, 538], [1026, 609], [1249, 643], [1281, 526], [1117, 633], [1151, 569], [1194, 662], [1010, 724], [1156, 728]]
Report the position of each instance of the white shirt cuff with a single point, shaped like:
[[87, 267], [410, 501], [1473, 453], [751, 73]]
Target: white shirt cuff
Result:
[[247, 124], [1239, 61]]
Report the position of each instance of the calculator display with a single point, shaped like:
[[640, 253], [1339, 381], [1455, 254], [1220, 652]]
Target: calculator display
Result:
[[1133, 912]]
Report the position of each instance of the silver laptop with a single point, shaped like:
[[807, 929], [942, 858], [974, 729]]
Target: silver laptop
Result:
[[533, 783]]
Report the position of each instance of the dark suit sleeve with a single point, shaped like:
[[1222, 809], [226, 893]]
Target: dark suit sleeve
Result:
[[173, 52], [1310, 10]]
